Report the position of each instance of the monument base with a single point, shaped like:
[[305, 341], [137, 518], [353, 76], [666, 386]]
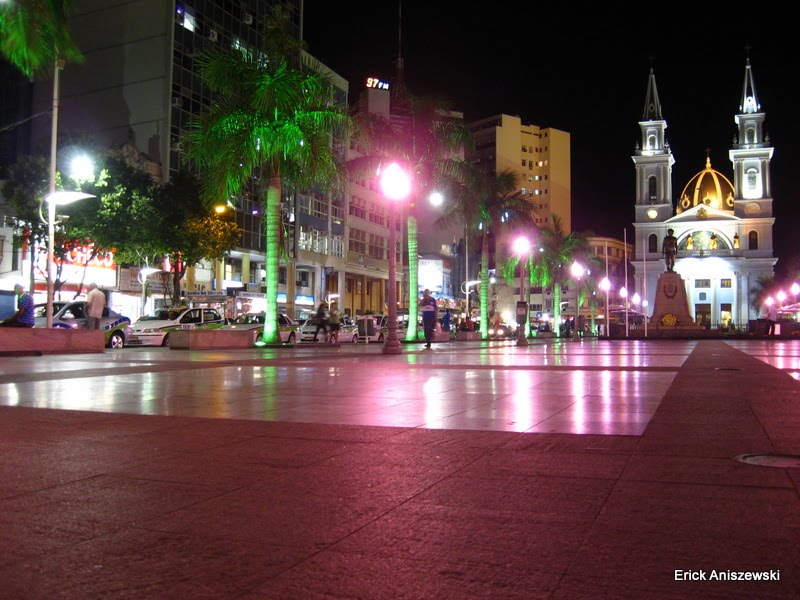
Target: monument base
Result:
[[671, 306]]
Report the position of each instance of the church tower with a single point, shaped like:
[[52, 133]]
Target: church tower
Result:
[[751, 155], [653, 160]]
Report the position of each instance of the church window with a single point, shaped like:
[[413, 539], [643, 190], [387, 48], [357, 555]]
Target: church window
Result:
[[651, 142], [750, 135], [752, 240], [751, 178], [652, 243], [651, 188]]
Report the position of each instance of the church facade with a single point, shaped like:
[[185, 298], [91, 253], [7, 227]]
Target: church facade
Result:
[[723, 228]]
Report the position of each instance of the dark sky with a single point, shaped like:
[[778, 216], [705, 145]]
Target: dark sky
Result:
[[587, 74]]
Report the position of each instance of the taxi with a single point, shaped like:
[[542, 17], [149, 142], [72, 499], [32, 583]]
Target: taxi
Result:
[[154, 329], [72, 315], [288, 329]]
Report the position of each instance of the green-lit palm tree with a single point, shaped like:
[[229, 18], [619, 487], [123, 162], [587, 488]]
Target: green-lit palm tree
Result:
[[551, 266], [422, 137], [34, 35], [587, 287], [764, 286], [273, 119], [487, 203]]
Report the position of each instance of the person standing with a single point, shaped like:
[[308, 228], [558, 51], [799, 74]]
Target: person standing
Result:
[[772, 317], [24, 316], [428, 308], [95, 305], [446, 321], [334, 323]]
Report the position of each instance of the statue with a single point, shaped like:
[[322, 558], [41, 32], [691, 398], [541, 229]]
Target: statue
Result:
[[690, 242], [669, 247]]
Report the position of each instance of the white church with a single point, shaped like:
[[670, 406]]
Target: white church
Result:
[[724, 229]]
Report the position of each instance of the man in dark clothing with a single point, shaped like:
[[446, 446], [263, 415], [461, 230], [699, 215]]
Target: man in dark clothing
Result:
[[321, 320], [429, 315]]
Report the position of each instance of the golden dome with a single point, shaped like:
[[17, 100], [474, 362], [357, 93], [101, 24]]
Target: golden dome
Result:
[[708, 187]]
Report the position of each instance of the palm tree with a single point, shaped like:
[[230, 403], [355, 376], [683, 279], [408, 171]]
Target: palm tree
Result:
[[485, 202], [763, 287], [423, 139], [34, 35], [270, 118], [550, 267]]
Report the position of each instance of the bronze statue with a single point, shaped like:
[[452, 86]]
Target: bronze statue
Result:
[[669, 248]]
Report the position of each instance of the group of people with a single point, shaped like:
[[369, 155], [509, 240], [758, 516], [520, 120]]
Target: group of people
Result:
[[329, 322], [26, 317]]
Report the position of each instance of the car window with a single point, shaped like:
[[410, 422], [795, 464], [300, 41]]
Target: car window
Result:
[[210, 315], [193, 316]]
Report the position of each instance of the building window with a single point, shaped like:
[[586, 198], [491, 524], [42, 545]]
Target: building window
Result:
[[282, 275], [702, 283], [752, 240], [652, 243], [524, 162], [726, 283], [651, 188], [302, 279], [524, 148]]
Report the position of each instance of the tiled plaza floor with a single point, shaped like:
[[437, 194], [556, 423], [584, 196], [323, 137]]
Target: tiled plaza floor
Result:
[[588, 469]]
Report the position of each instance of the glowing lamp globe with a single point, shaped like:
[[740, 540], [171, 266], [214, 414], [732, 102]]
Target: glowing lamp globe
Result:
[[521, 246], [395, 183]]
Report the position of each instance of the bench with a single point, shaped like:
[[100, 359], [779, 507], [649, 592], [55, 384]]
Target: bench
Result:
[[24, 341], [210, 339]]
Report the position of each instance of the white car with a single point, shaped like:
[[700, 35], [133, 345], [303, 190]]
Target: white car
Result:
[[72, 315], [289, 330], [154, 329], [348, 331]]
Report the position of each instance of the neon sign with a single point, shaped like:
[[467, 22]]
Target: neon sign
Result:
[[374, 82]]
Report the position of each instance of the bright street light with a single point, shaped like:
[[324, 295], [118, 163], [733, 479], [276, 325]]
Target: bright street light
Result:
[[53, 199], [436, 199], [396, 185], [81, 169]]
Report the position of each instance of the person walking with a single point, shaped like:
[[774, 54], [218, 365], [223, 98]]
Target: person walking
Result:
[[429, 309], [24, 317], [95, 305], [772, 317], [321, 319]]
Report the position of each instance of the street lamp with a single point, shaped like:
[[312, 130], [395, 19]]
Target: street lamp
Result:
[[605, 285], [522, 247], [54, 199], [576, 270], [396, 185], [645, 304]]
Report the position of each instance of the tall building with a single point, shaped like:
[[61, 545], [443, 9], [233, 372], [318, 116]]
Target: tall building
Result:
[[724, 228], [540, 156]]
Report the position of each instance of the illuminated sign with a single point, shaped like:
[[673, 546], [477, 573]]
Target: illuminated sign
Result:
[[304, 300], [82, 256], [374, 82]]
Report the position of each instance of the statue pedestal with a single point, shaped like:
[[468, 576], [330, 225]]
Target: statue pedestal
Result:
[[671, 299]]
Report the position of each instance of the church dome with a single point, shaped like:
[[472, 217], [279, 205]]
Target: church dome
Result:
[[709, 187]]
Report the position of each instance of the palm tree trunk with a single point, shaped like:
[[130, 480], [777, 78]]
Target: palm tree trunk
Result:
[[557, 308], [485, 286], [272, 217], [413, 279]]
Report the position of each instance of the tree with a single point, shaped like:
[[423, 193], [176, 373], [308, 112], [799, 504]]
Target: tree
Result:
[[271, 119], [34, 35], [487, 203], [423, 139], [551, 266], [763, 288]]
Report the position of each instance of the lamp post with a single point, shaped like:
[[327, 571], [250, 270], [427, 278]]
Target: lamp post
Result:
[[576, 270], [623, 293], [55, 199], [522, 247], [605, 285], [645, 304], [636, 299], [396, 185]]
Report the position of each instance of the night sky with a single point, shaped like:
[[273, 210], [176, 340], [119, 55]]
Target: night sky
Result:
[[587, 74]]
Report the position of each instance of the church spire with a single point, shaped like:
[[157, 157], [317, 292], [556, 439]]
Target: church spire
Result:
[[652, 105], [749, 103], [399, 84]]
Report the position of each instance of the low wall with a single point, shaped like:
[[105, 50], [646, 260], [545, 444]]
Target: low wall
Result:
[[24, 340], [468, 336], [210, 339]]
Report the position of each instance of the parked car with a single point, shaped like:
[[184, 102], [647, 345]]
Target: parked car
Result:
[[288, 329], [377, 331], [154, 329], [73, 315], [348, 331]]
